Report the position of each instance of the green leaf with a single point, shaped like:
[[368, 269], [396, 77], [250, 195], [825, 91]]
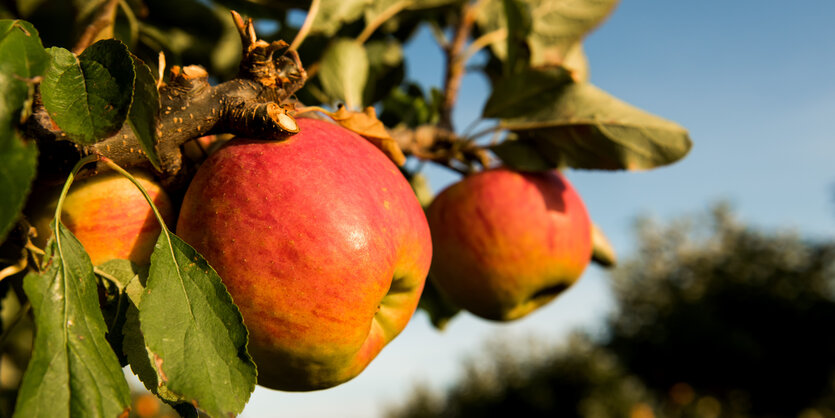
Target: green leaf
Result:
[[190, 32], [519, 23], [388, 9], [420, 186], [558, 25], [582, 126], [21, 57], [200, 358], [121, 272], [86, 10], [524, 155], [344, 71], [89, 96], [119, 275], [132, 280], [512, 17], [410, 107], [383, 54], [133, 343], [335, 13], [550, 27], [73, 371], [523, 93], [437, 306], [18, 169], [491, 17], [385, 69], [577, 63], [144, 111]]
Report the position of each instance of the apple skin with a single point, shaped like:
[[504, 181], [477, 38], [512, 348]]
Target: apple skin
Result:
[[506, 243], [321, 243], [110, 217]]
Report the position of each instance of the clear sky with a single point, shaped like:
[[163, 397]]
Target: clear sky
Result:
[[751, 80]]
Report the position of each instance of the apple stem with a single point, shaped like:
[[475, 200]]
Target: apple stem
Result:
[[456, 56], [383, 17], [67, 184], [101, 27], [136, 183], [308, 23]]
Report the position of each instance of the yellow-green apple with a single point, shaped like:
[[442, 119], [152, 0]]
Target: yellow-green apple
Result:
[[506, 242], [321, 243], [109, 216]]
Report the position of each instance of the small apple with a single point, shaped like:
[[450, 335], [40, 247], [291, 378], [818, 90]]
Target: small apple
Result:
[[506, 242], [109, 216], [321, 243]]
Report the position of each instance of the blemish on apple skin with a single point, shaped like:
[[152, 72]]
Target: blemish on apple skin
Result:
[[357, 239], [386, 204]]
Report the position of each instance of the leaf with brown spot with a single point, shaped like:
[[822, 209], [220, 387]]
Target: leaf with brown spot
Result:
[[200, 358]]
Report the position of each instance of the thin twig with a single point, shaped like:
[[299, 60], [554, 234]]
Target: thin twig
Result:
[[492, 129], [455, 63], [308, 23], [483, 41], [15, 268], [133, 22], [105, 19], [382, 18]]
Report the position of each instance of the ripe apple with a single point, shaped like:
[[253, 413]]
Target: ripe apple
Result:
[[506, 242], [321, 243], [109, 216]]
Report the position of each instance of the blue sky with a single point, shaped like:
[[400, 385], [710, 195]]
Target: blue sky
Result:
[[751, 80]]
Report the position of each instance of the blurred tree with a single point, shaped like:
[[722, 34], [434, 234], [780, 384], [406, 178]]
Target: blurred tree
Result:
[[713, 318], [580, 379], [735, 314]]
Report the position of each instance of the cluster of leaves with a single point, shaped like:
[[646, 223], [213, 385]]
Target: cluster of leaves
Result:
[[84, 337], [541, 103], [713, 319], [90, 96], [199, 360]]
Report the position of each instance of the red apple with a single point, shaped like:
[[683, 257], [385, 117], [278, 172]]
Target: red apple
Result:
[[506, 243], [321, 243], [110, 217]]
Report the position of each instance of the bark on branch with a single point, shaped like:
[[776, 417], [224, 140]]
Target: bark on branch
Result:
[[249, 105]]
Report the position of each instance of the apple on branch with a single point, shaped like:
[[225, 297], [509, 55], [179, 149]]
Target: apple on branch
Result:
[[321, 243], [506, 243], [109, 216]]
